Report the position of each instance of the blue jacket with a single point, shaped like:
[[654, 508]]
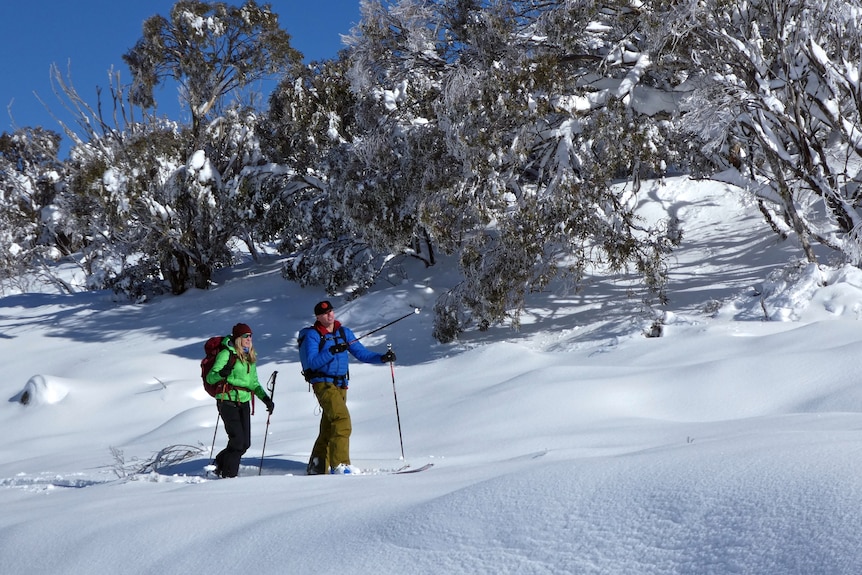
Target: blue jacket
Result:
[[321, 365]]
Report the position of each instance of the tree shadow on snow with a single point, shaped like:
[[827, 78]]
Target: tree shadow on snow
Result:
[[248, 466]]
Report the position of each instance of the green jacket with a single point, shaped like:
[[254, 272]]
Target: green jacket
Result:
[[242, 375]]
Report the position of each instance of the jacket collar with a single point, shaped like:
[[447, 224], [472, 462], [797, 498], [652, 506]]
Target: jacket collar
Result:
[[322, 330]]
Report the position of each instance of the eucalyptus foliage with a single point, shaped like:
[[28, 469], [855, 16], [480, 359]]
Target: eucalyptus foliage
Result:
[[782, 105], [503, 132], [211, 49], [31, 176], [509, 135]]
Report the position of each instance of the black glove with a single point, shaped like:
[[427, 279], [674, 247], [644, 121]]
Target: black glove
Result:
[[387, 357], [267, 401], [338, 348]]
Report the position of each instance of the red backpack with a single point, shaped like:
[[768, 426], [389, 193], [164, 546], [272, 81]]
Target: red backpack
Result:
[[212, 346]]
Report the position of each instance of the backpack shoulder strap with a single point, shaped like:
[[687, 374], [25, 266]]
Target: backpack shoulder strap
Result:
[[340, 333], [231, 358], [303, 333]]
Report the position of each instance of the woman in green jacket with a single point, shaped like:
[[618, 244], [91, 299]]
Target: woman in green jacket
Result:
[[235, 371]]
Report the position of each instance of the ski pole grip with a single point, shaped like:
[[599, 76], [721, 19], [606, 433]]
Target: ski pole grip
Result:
[[270, 387]]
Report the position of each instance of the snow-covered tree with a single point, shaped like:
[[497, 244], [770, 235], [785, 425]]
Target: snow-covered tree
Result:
[[501, 132], [310, 114], [211, 49], [31, 176], [309, 127], [309, 119], [109, 176], [782, 105], [161, 201], [113, 163], [156, 214]]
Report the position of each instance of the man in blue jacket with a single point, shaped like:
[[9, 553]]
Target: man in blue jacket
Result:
[[323, 351]]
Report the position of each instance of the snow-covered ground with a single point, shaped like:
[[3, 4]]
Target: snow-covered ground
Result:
[[732, 444]]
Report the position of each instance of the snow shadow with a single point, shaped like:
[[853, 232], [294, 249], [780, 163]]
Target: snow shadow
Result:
[[248, 466]]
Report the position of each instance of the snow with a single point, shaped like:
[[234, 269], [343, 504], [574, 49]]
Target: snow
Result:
[[729, 445]]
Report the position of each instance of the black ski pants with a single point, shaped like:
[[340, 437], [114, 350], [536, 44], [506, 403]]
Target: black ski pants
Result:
[[237, 424]]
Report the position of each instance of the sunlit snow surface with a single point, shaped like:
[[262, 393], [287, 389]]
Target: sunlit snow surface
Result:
[[731, 444]]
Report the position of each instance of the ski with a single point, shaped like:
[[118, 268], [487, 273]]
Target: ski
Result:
[[207, 472], [397, 471], [409, 469]]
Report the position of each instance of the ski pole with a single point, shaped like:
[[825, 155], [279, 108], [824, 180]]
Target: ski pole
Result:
[[395, 395], [215, 430], [414, 312], [270, 387], [221, 386]]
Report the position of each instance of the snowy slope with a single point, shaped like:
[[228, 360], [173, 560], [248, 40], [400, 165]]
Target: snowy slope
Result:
[[729, 445]]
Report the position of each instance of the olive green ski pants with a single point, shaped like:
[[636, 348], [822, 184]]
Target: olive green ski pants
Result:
[[333, 440]]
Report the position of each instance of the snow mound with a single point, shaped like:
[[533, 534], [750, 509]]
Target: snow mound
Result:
[[808, 292], [41, 390]]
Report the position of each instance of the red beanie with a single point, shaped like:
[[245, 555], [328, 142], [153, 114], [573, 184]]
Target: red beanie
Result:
[[240, 329]]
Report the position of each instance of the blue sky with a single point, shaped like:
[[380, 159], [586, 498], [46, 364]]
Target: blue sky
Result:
[[89, 37]]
